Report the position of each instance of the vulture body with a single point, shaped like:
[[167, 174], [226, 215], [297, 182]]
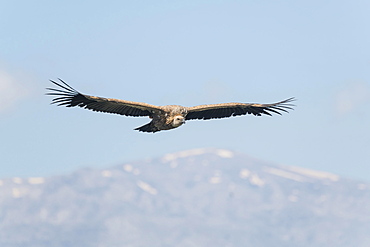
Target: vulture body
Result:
[[163, 117]]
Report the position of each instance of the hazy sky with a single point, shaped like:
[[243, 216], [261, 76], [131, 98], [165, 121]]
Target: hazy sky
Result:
[[188, 53]]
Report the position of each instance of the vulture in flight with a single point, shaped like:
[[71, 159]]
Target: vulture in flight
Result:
[[163, 117]]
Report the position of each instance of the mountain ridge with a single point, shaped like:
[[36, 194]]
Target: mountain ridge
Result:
[[198, 197]]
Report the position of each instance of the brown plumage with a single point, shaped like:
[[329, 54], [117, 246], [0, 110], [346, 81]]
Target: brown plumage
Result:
[[163, 117]]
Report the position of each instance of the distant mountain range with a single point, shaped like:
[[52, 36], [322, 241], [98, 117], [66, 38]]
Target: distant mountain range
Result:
[[201, 197]]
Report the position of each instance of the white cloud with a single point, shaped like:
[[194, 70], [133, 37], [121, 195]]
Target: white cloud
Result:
[[10, 91], [352, 97]]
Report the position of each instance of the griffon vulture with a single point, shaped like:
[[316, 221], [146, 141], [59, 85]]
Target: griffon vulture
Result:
[[163, 117]]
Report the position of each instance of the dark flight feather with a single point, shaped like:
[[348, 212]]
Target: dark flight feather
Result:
[[206, 112], [71, 97]]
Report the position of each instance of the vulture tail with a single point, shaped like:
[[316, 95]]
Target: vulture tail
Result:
[[149, 127]]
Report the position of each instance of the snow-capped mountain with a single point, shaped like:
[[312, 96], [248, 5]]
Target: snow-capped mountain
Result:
[[201, 197]]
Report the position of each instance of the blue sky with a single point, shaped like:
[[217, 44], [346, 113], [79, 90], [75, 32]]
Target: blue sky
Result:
[[186, 53]]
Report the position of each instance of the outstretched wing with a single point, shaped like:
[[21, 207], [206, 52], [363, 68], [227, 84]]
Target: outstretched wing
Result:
[[236, 109], [69, 97]]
